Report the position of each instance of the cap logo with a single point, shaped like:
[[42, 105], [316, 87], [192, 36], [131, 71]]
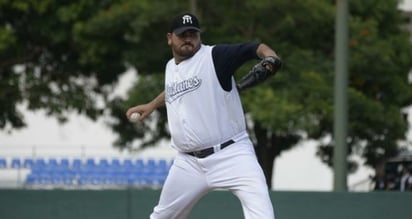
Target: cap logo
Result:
[[184, 22], [187, 19]]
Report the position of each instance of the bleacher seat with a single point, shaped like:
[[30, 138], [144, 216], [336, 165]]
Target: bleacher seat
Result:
[[28, 163], [30, 180], [140, 163], [52, 162], [40, 163], [3, 162], [16, 163], [135, 179], [90, 162], [115, 163], [103, 163], [91, 178], [44, 178], [120, 178], [151, 163], [77, 164], [65, 163], [127, 163], [158, 178], [162, 163], [61, 179], [151, 179], [163, 166]]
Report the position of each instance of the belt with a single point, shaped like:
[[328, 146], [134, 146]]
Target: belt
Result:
[[208, 151]]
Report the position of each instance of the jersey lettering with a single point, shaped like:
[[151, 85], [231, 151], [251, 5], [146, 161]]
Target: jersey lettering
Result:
[[178, 89]]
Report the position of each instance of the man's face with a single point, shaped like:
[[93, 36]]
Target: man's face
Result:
[[184, 45]]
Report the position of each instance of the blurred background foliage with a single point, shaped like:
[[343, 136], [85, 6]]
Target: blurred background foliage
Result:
[[66, 56]]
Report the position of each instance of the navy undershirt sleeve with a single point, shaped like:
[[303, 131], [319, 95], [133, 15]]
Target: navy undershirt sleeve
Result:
[[227, 58]]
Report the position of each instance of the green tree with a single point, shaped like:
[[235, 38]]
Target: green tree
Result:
[[381, 58], [63, 56], [50, 58]]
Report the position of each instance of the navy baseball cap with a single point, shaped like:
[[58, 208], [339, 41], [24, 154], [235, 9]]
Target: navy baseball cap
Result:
[[183, 22]]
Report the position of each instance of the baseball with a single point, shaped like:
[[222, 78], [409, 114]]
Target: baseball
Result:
[[134, 117]]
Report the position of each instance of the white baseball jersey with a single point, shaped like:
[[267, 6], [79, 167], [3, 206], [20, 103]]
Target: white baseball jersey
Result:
[[204, 110], [194, 124]]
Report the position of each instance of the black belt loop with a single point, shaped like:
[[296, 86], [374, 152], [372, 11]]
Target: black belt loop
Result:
[[208, 151], [226, 144]]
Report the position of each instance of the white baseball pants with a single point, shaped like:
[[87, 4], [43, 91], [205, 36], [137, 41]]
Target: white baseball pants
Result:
[[234, 168]]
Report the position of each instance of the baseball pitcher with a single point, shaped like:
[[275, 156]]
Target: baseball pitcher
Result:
[[207, 122]]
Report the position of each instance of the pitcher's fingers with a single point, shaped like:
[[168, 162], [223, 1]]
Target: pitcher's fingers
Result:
[[130, 111]]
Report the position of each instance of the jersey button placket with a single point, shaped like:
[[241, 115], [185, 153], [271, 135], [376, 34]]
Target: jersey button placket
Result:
[[184, 123]]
